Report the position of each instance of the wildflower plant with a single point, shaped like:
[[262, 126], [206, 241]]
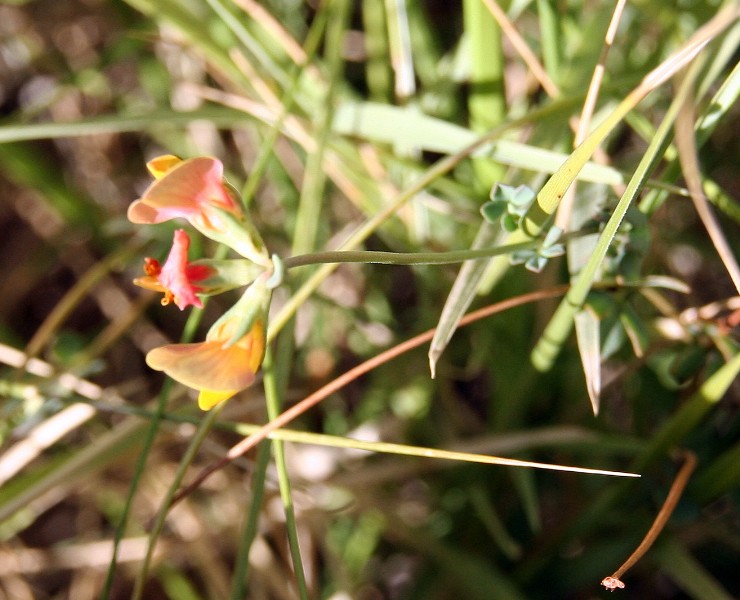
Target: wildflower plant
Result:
[[396, 151], [229, 358]]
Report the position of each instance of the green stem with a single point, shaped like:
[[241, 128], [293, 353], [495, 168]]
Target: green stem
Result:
[[158, 525], [365, 230], [401, 258], [273, 402], [251, 526], [414, 258]]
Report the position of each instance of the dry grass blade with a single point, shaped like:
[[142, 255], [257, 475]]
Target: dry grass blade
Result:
[[523, 49], [686, 145], [674, 495]]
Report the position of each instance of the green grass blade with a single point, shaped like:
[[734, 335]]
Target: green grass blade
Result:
[[404, 126], [158, 524], [559, 327], [196, 22], [248, 41], [149, 437], [550, 33], [486, 101], [691, 413], [378, 75], [718, 477], [78, 466], [119, 123], [589, 346], [492, 522], [462, 294], [553, 191], [723, 100], [312, 195]]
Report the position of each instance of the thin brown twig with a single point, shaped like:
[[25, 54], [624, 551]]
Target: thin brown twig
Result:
[[345, 378], [522, 48], [674, 494]]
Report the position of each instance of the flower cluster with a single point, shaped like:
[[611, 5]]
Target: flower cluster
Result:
[[229, 358]]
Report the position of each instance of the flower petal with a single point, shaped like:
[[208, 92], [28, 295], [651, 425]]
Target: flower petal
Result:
[[207, 399], [185, 190], [174, 275], [205, 365], [160, 165]]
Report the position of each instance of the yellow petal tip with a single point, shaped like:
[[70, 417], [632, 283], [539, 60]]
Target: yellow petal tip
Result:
[[207, 399]]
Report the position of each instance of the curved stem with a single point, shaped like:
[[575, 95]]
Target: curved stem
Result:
[[674, 494]]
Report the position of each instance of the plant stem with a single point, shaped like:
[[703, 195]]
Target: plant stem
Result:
[[674, 494], [414, 258], [400, 258]]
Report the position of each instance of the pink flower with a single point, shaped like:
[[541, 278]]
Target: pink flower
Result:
[[177, 279], [189, 189], [195, 190]]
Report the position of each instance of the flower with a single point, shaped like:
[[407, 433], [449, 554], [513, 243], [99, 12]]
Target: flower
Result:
[[195, 190], [178, 278], [184, 188], [228, 360]]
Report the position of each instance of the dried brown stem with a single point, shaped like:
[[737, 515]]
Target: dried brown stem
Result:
[[674, 494]]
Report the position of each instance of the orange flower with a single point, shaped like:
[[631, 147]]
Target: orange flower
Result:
[[228, 361], [177, 278]]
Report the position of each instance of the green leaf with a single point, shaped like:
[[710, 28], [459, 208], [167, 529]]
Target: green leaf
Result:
[[589, 346]]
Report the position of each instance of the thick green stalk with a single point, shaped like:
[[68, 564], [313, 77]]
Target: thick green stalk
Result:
[[314, 184], [486, 101]]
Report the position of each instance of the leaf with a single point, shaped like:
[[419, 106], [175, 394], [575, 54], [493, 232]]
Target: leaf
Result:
[[462, 294], [400, 125], [589, 342]]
